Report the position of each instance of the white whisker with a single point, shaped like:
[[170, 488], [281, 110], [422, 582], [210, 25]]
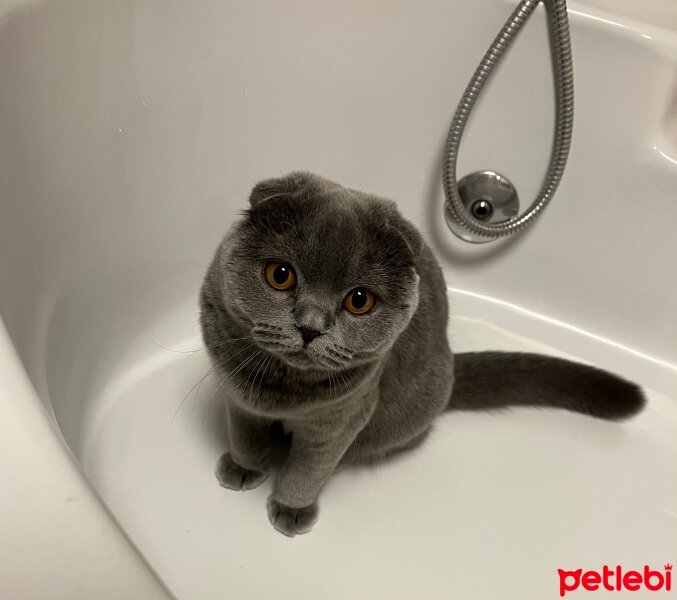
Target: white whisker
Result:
[[191, 389]]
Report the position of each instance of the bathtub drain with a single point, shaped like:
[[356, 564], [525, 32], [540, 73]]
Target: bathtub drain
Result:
[[462, 217]]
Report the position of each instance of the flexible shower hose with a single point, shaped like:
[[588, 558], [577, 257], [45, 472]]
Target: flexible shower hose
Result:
[[564, 94]]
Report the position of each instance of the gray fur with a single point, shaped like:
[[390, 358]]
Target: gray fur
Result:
[[370, 385]]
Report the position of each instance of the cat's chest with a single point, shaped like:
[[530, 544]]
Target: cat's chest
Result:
[[280, 396]]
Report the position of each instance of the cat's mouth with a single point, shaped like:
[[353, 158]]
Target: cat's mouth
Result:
[[306, 358], [302, 359], [317, 354]]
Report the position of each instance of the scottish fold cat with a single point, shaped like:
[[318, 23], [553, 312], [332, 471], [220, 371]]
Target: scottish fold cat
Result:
[[325, 313]]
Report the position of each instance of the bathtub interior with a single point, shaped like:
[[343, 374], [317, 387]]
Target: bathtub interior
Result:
[[487, 500], [131, 136]]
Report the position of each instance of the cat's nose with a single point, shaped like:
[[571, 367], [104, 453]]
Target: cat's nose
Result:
[[308, 334]]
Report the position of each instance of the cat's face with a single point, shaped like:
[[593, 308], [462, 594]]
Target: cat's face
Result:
[[323, 276]]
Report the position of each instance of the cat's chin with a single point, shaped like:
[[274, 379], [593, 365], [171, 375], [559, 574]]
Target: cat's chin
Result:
[[304, 361], [300, 360]]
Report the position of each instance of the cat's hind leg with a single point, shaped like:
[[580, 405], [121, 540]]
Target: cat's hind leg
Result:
[[361, 453]]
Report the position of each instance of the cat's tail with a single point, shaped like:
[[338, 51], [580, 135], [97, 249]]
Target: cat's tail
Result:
[[487, 380]]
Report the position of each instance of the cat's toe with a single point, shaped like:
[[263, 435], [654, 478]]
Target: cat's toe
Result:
[[234, 477], [292, 521]]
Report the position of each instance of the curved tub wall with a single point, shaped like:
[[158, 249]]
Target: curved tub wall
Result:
[[57, 540], [131, 133]]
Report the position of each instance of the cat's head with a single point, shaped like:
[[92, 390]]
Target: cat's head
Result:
[[323, 276]]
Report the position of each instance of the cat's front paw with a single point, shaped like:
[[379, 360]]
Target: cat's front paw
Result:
[[234, 477], [292, 521]]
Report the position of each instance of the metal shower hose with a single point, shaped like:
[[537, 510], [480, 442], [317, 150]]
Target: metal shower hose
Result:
[[564, 93]]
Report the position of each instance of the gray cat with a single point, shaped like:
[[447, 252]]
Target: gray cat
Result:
[[325, 315]]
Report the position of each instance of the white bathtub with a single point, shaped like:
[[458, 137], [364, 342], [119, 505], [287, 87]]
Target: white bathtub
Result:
[[130, 135]]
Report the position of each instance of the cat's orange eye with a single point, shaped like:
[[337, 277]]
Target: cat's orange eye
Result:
[[280, 275], [359, 301]]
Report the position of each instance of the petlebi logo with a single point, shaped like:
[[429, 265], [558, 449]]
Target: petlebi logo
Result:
[[615, 579]]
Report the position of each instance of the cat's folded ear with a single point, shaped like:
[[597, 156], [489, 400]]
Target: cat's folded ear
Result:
[[267, 189], [408, 232], [279, 186]]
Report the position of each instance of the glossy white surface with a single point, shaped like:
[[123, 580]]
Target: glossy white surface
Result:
[[130, 134], [57, 540], [656, 13]]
